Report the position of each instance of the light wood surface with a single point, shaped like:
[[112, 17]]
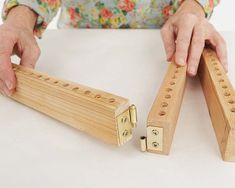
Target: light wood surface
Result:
[[98, 113], [163, 116], [220, 100]]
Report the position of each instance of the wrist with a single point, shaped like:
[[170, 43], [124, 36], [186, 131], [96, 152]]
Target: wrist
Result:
[[23, 17], [193, 7]]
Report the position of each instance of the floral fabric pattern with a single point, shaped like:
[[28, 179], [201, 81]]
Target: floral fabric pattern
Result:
[[104, 13]]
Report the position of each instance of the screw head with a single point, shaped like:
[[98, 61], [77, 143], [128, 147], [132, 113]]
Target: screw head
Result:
[[125, 133], [124, 119], [155, 131], [155, 144]]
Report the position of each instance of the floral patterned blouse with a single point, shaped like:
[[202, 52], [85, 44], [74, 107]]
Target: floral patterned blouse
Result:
[[104, 13]]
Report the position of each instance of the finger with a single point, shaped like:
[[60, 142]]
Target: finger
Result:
[[196, 48], [221, 50], [3, 89], [30, 55], [7, 75], [183, 41], [167, 33]]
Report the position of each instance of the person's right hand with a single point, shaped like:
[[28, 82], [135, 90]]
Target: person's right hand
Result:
[[16, 37]]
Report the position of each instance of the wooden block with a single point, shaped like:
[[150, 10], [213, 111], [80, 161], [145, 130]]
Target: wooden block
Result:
[[220, 100], [165, 110], [98, 113]]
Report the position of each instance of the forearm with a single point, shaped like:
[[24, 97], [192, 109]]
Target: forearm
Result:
[[44, 10], [22, 16]]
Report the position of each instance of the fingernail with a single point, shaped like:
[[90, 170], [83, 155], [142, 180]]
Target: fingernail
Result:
[[192, 70], [181, 62], [9, 84], [225, 66], [168, 56], [6, 91]]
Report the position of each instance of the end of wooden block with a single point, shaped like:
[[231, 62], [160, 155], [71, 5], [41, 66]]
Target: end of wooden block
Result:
[[126, 122], [154, 141]]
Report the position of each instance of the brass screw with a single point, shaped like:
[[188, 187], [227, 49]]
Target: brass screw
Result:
[[125, 133], [155, 144], [155, 132]]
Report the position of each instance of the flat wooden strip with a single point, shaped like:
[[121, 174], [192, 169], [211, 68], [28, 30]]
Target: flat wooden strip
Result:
[[220, 100], [165, 110], [93, 111]]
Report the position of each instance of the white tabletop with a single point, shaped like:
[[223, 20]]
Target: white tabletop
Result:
[[39, 152]]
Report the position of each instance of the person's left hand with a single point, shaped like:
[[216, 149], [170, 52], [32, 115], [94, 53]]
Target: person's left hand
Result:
[[184, 35]]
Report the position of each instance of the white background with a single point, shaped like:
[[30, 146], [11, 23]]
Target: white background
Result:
[[221, 19]]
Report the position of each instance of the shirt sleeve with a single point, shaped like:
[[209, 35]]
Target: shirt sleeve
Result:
[[46, 10], [172, 7]]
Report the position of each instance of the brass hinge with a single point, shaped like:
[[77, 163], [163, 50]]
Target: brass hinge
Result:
[[126, 122], [153, 142]]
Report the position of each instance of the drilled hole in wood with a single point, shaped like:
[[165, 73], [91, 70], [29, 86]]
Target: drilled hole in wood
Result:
[[56, 82], [87, 92], [98, 96], [226, 94], [173, 77], [168, 89], [111, 100], [231, 101], [167, 96], [162, 113], [219, 74], [224, 86], [143, 137], [164, 104], [176, 71], [233, 110], [65, 85], [172, 83], [221, 80], [214, 63], [39, 76], [216, 69], [46, 79], [75, 89]]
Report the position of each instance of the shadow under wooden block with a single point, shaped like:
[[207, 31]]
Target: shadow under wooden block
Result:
[[163, 116], [220, 100], [98, 113]]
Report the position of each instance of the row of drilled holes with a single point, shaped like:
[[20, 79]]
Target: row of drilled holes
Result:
[[75, 89], [221, 80], [168, 91]]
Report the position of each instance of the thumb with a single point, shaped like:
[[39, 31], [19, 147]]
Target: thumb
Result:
[[7, 75]]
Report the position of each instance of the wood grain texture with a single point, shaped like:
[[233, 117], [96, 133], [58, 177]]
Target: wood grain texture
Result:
[[165, 110], [90, 110], [220, 100]]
